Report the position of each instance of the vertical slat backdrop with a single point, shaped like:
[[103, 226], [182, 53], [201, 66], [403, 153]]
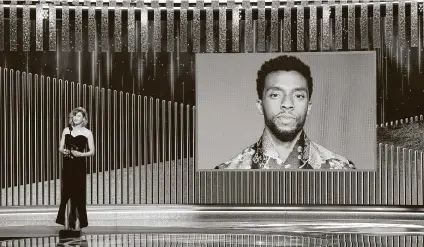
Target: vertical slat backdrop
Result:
[[145, 146], [265, 26], [144, 154]]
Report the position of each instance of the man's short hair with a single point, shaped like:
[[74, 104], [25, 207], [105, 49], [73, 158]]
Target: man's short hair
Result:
[[283, 63]]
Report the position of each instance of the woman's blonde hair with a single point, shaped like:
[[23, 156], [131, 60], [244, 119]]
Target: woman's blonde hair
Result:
[[75, 112]]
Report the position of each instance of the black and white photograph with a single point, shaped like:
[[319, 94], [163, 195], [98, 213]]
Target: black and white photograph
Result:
[[286, 111], [211, 123]]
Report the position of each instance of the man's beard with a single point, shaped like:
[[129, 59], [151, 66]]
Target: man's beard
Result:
[[284, 135]]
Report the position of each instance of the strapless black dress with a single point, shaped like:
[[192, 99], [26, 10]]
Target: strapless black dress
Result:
[[73, 183]]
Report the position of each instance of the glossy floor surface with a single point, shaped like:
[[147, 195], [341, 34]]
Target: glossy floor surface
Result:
[[218, 225], [300, 233]]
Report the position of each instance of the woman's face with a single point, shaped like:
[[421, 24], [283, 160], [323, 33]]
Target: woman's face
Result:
[[78, 118]]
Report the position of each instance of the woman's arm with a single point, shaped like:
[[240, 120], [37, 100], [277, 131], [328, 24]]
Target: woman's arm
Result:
[[62, 142], [91, 148]]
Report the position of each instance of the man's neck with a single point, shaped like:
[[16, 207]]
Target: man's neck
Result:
[[281, 147]]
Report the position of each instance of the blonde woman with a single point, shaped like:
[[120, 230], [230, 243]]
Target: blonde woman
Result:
[[76, 144]]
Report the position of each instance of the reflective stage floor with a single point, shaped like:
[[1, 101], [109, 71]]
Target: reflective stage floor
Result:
[[230, 226], [293, 234]]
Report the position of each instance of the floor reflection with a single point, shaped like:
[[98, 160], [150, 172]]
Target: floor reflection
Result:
[[192, 239], [122, 240], [82, 242], [333, 233]]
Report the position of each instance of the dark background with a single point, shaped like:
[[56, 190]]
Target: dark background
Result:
[[170, 75]]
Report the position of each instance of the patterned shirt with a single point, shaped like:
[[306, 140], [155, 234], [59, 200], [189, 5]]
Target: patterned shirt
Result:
[[304, 155]]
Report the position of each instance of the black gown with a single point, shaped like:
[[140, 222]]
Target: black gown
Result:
[[74, 183]]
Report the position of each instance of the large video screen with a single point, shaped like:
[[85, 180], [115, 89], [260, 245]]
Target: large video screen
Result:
[[286, 111]]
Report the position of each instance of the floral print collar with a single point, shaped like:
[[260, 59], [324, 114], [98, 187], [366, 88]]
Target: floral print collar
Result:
[[304, 155]]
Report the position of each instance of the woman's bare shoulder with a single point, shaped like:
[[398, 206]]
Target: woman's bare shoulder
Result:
[[87, 132], [66, 130]]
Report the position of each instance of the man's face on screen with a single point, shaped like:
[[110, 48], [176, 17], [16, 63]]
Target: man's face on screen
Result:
[[285, 104]]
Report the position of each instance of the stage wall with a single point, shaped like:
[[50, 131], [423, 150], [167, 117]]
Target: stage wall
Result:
[[131, 64]]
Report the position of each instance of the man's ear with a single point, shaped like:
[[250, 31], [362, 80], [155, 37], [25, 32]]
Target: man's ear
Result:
[[259, 106], [309, 108]]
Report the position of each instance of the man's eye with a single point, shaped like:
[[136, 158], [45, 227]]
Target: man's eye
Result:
[[300, 96], [273, 95]]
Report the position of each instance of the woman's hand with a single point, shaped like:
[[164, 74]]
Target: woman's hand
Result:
[[65, 151], [76, 153]]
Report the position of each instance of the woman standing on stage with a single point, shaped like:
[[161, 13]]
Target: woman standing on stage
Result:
[[73, 144]]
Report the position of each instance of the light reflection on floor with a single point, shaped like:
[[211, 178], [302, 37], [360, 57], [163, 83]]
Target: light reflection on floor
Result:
[[296, 234], [125, 240], [128, 240]]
